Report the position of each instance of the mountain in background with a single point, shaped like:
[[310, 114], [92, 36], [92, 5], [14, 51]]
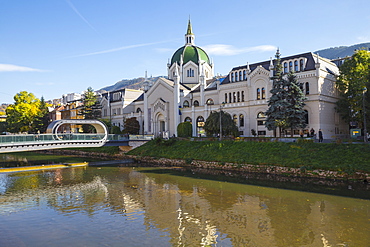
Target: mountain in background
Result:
[[135, 83], [330, 53], [341, 51]]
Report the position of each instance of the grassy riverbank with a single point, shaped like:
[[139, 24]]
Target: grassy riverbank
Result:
[[348, 158]]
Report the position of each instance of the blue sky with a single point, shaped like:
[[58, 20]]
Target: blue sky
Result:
[[54, 47]]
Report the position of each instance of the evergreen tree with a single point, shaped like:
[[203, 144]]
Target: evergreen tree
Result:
[[185, 129], [91, 108], [42, 120], [296, 115], [278, 105], [212, 124], [354, 78]]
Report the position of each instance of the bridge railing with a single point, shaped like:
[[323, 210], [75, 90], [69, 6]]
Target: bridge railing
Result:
[[50, 137]]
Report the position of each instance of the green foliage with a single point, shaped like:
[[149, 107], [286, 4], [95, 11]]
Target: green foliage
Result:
[[163, 142], [286, 102], [42, 119], [185, 129], [91, 108], [354, 77], [131, 126], [116, 130], [212, 125], [21, 114], [309, 156]]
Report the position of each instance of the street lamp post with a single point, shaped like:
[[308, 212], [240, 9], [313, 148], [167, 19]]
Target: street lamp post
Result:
[[364, 112], [222, 105]]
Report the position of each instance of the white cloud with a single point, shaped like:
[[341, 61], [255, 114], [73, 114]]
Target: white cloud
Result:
[[229, 50], [16, 68]]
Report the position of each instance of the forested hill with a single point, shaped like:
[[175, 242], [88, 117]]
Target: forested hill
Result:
[[135, 83], [341, 51]]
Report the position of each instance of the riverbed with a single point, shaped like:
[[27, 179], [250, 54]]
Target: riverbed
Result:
[[159, 206]]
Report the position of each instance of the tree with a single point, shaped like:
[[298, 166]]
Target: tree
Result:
[[21, 114], [353, 79], [277, 111], [296, 115], [42, 119], [212, 124], [131, 126], [185, 129], [91, 108]]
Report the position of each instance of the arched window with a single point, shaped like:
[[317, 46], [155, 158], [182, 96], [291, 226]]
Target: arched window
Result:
[[241, 120], [244, 75], [236, 76], [261, 118], [200, 126], [306, 116], [225, 97], [307, 88], [258, 93], [210, 102], [301, 64], [263, 93], [238, 96], [232, 77], [296, 66], [187, 119], [234, 97], [240, 76], [235, 119], [290, 66], [138, 110], [196, 103], [230, 98], [242, 96], [186, 104], [285, 67]]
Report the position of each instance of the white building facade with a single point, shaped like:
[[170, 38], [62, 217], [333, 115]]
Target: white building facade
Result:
[[192, 91]]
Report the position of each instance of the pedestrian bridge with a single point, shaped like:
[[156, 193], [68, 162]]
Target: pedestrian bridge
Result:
[[55, 139]]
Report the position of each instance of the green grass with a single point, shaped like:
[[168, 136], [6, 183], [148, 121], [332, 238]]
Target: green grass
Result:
[[336, 157], [107, 150]]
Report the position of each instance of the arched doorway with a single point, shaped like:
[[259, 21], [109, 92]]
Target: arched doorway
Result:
[[160, 126], [200, 127]]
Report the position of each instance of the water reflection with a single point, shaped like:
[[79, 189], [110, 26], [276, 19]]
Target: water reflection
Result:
[[149, 207]]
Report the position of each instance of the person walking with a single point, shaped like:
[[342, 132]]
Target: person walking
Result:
[[321, 138], [312, 131]]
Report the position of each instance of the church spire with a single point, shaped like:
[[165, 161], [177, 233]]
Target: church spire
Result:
[[189, 36]]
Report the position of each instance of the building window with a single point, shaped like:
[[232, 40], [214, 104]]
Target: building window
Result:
[[263, 93], [200, 126], [229, 97], [261, 122], [285, 67], [185, 104], [238, 96], [301, 64], [241, 120], [258, 93], [242, 96], [196, 103], [306, 116], [190, 72], [187, 119], [244, 75], [119, 111], [105, 112], [234, 97], [296, 69], [307, 88], [240, 76], [290, 66], [235, 119], [138, 110], [210, 102], [261, 133], [225, 97], [232, 77]]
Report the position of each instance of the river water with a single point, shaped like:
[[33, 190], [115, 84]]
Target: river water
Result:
[[148, 206]]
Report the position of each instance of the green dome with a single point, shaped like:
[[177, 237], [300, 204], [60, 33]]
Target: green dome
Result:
[[190, 53]]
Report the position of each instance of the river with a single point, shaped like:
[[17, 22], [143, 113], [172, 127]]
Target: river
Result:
[[151, 206]]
